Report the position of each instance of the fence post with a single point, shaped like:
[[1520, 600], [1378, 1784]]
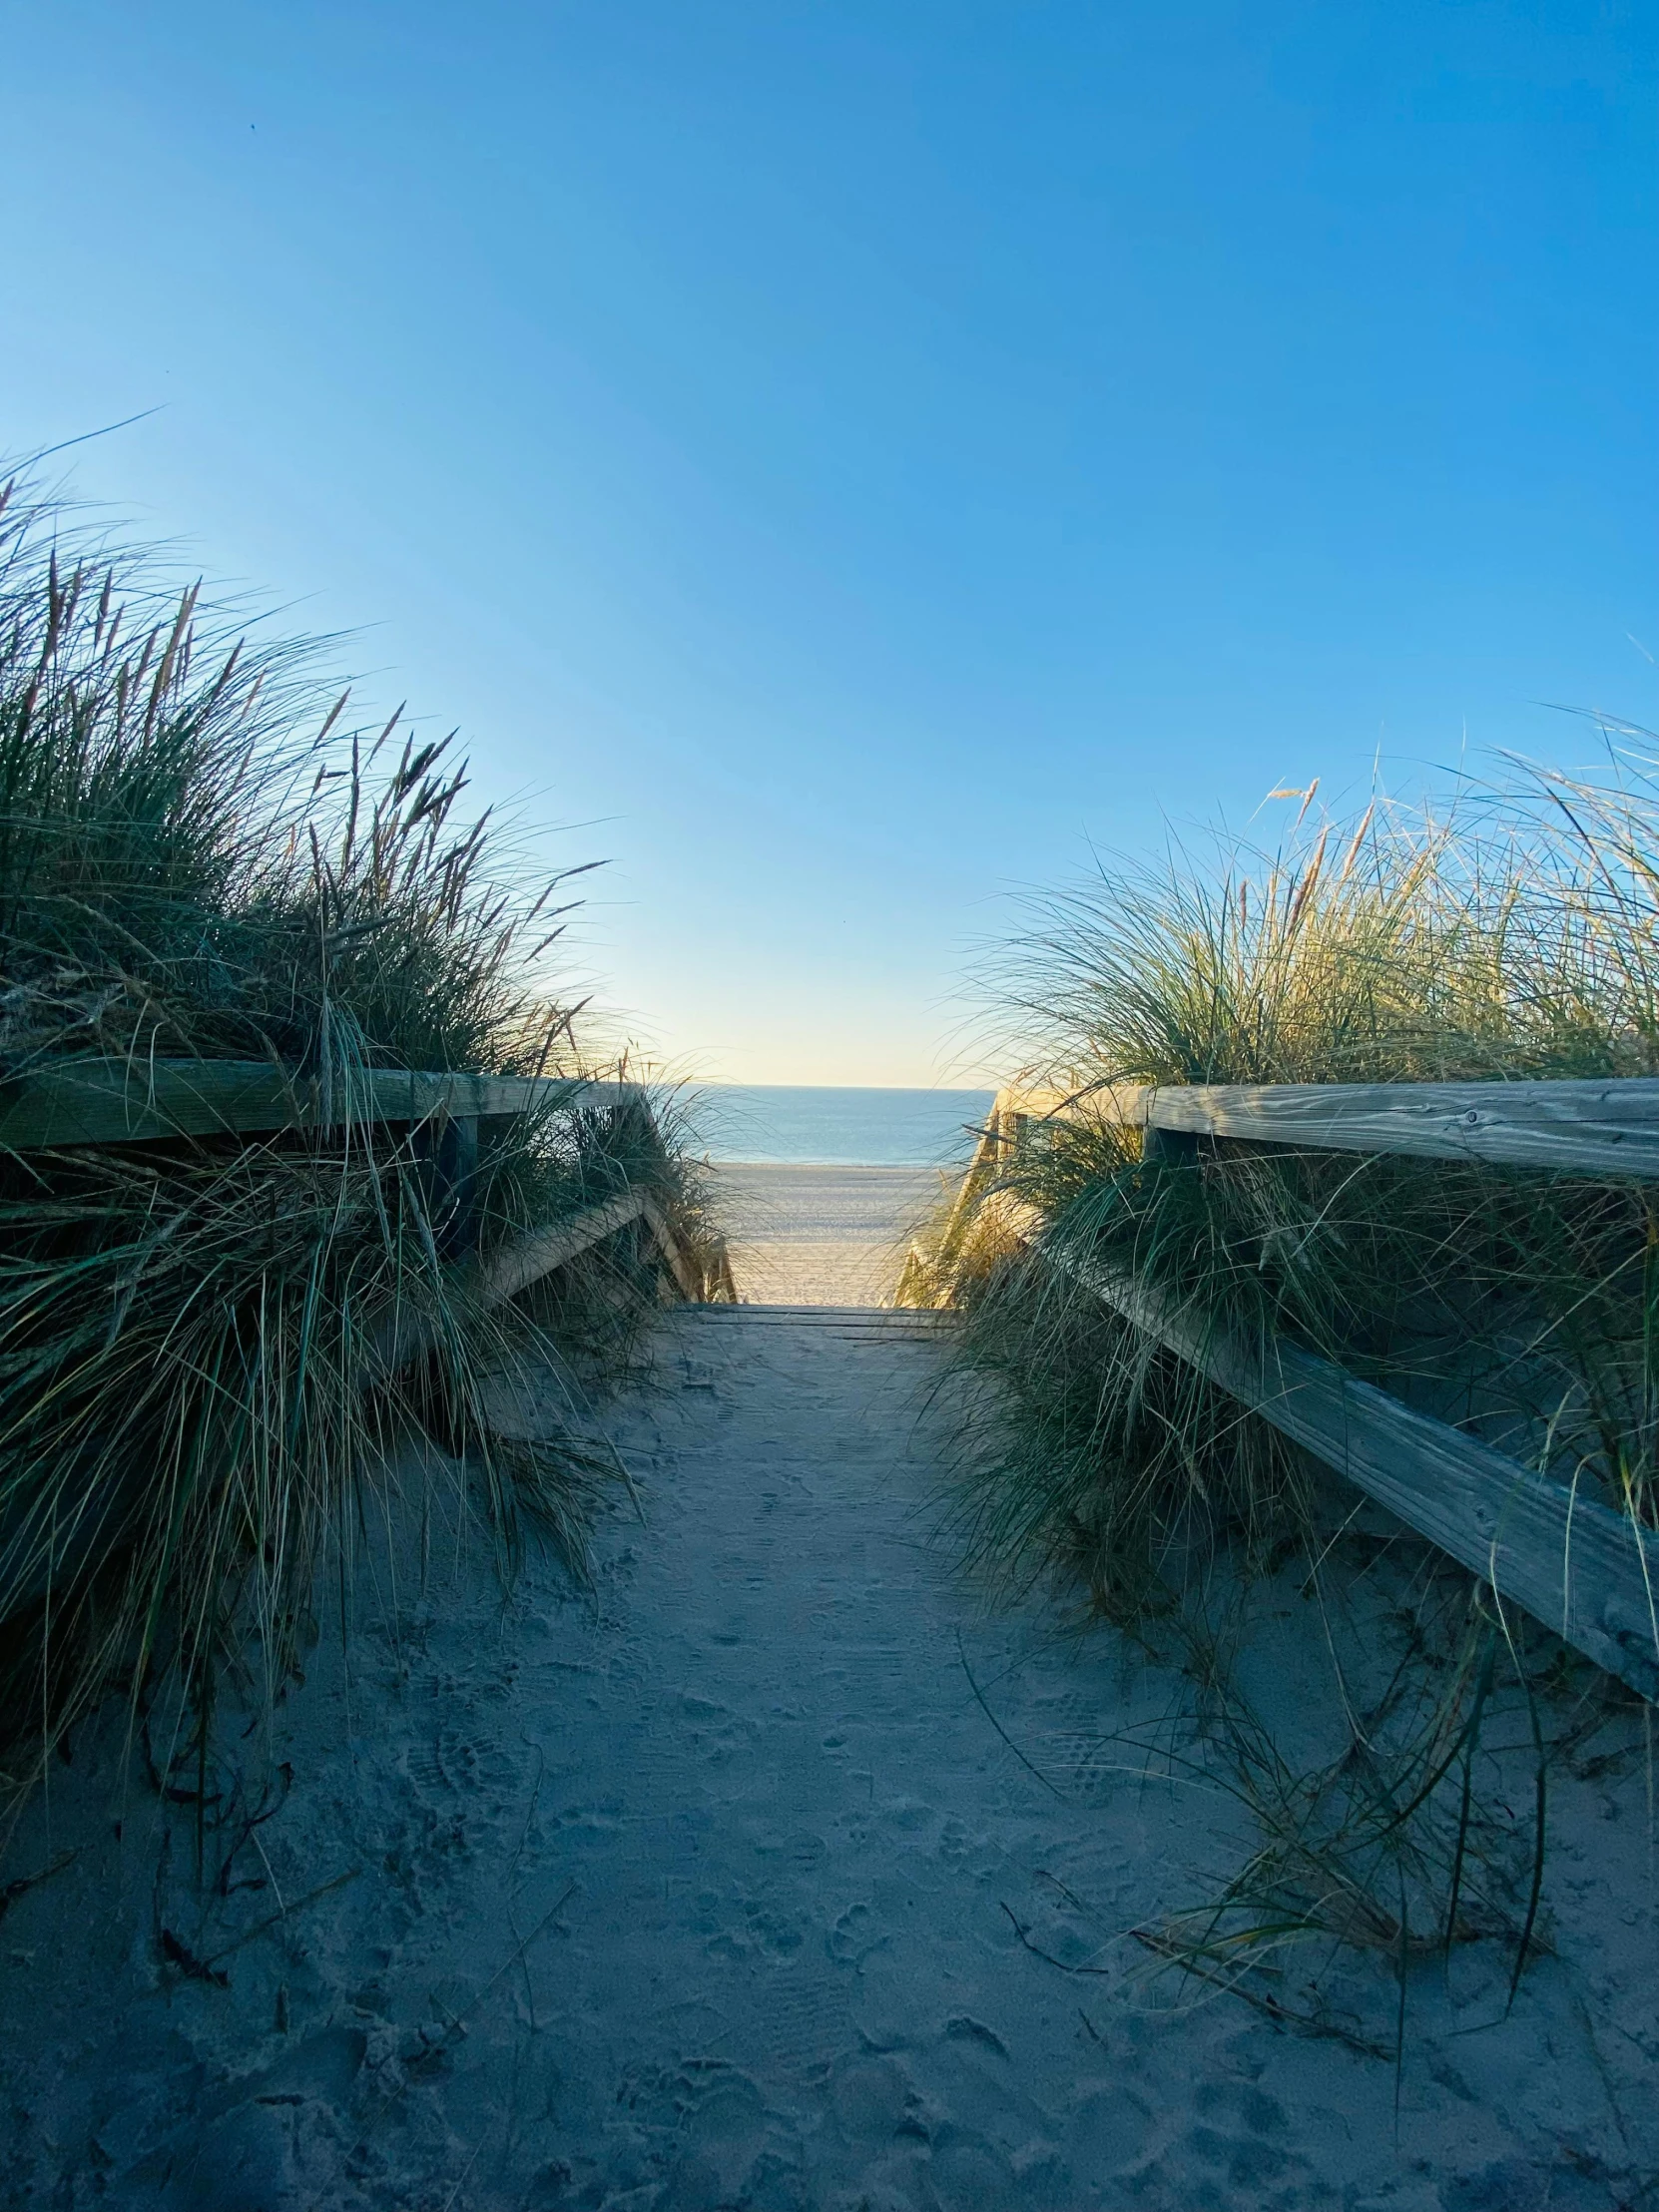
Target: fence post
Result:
[[447, 1147], [1176, 1147]]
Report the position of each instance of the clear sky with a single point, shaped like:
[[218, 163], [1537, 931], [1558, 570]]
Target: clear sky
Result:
[[842, 457]]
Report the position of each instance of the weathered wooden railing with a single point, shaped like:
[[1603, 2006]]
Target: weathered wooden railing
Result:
[[1588, 1572], [132, 1101]]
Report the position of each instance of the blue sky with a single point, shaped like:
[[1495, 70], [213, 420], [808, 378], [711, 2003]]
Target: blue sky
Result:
[[838, 460]]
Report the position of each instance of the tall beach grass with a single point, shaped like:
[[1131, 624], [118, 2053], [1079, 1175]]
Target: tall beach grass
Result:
[[199, 1403], [1516, 935]]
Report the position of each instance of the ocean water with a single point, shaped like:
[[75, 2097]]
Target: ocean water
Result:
[[799, 1125]]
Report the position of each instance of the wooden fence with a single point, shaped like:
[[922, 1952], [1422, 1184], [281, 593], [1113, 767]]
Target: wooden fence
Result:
[[1586, 1571], [121, 1101]]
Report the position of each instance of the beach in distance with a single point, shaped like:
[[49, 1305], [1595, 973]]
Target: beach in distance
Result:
[[821, 1125], [819, 1186]]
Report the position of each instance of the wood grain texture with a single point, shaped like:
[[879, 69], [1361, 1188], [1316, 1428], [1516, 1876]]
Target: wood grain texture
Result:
[[685, 1275], [1574, 1565], [1585, 1571], [1601, 1128], [400, 1336], [1609, 1127], [132, 1102], [528, 1258]]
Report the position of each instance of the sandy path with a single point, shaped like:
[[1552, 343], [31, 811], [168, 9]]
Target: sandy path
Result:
[[699, 1896], [820, 1236]]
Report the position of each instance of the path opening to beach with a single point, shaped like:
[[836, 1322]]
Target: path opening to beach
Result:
[[772, 1868], [822, 1236], [771, 1872]]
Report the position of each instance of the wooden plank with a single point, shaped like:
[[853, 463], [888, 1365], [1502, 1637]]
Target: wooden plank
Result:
[[1581, 1127], [400, 1336], [1597, 1128], [528, 1258], [120, 1101], [1574, 1565], [684, 1273], [999, 1137], [111, 1101], [452, 1181]]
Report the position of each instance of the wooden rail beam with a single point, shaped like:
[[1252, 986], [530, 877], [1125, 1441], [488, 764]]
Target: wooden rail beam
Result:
[[400, 1336], [121, 1101], [1579, 1126], [116, 1101], [1583, 1570], [1572, 1562], [527, 1259]]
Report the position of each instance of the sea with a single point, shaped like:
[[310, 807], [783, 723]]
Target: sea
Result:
[[799, 1124]]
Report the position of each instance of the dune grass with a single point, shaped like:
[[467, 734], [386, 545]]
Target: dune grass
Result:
[[1516, 937], [1516, 943], [196, 1403]]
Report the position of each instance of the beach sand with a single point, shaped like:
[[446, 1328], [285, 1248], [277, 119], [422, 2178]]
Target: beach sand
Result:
[[773, 1872], [821, 1236]]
